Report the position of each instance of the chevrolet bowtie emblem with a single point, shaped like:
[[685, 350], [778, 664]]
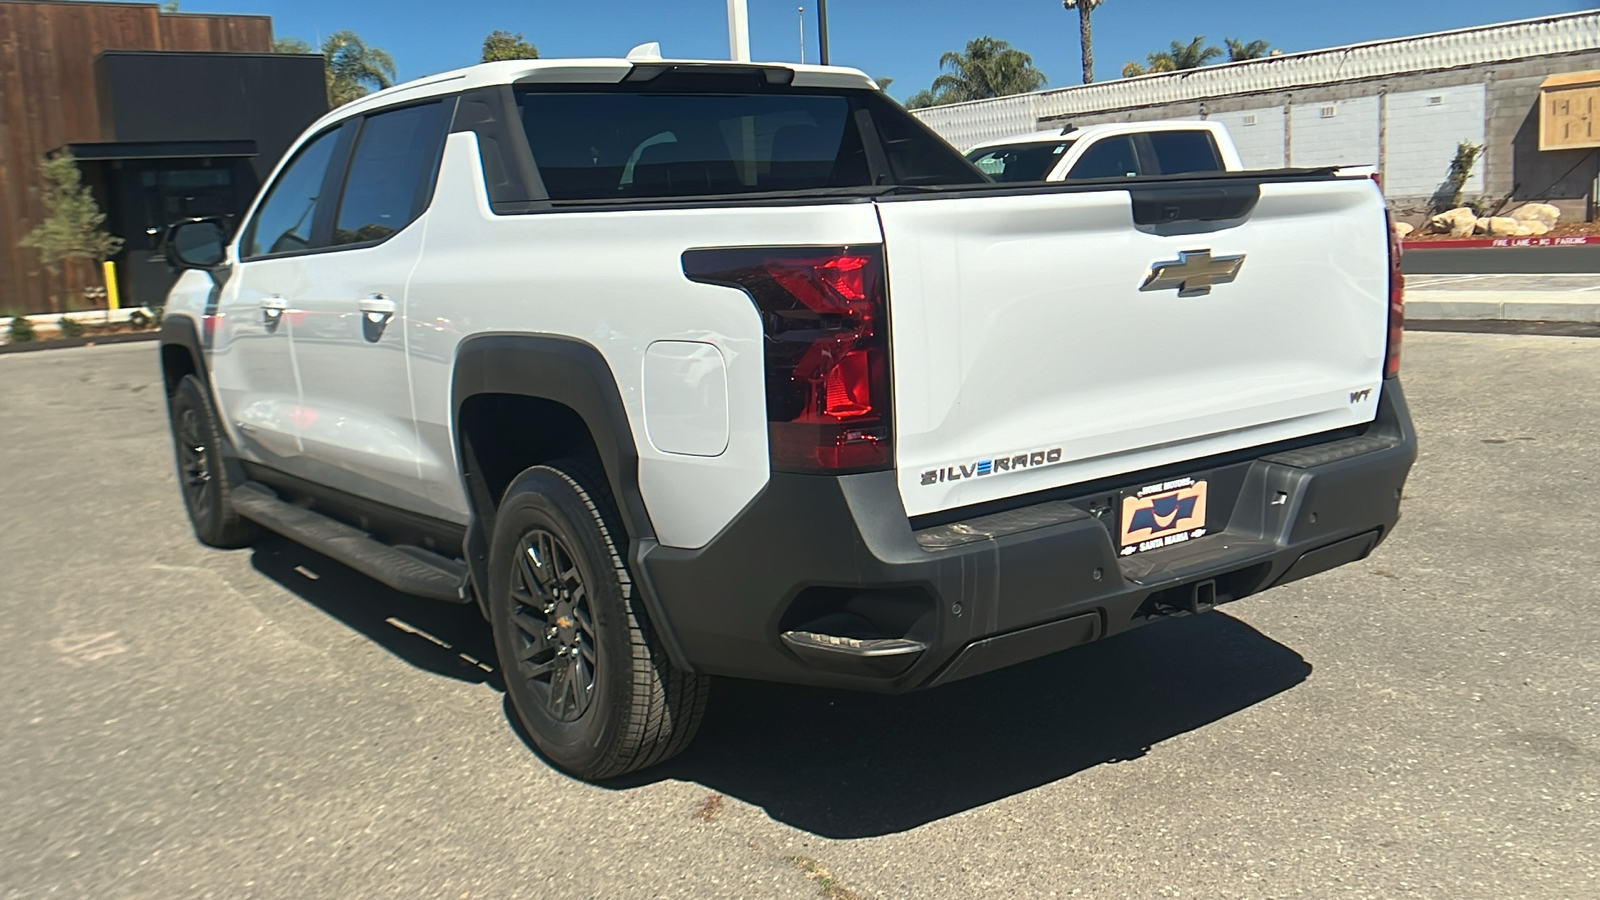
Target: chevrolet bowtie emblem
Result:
[[1193, 273]]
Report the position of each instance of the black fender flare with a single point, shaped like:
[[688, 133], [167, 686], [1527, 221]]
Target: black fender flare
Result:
[[179, 330], [574, 374], [562, 370]]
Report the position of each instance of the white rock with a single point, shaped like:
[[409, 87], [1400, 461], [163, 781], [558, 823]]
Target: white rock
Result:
[[1403, 229], [1456, 222], [1543, 213], [1535, 227], [1502, 226]]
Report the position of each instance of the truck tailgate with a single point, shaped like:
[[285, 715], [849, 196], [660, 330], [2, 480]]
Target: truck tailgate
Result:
[[1027, 356]]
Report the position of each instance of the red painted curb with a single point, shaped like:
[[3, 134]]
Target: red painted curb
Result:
[[1465, 243]]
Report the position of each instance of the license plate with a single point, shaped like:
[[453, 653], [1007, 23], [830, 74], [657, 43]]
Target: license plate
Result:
[[1162, 515]]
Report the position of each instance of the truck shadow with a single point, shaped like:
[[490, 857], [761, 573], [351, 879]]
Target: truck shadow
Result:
[[847, 765], [446, 639]]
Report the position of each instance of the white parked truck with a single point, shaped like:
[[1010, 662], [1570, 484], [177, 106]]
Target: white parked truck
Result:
[[1122, 150], [683, 369]]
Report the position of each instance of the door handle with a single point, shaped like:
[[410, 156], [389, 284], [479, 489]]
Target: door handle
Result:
[[378, 308], [272, 309]]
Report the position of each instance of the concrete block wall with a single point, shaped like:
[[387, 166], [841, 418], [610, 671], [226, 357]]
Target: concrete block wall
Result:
[[1421, 132], [1335, 132], [1259, 135]]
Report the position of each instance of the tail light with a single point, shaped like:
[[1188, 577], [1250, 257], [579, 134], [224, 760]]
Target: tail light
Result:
[[824, 314], [1397, 304]]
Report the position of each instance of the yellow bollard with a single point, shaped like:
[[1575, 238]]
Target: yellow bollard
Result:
[[109, 269]]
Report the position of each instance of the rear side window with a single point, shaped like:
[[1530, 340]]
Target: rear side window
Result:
[[619, 144], [1178, 152], [1112, 157], [284, 221], [1032, 161], [391, 168]]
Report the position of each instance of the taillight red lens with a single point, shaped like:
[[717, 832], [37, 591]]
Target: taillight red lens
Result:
[[1397, 304], [825, 316]]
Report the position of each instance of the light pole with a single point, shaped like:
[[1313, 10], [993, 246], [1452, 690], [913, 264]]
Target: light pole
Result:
[[738, 31], [802, 17], [822, 31]]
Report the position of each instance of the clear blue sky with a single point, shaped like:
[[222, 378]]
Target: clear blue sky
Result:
[[895, 38]]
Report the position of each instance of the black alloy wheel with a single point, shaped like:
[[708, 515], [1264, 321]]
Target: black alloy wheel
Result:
[[555, 626], [586, 674], [202, 469]]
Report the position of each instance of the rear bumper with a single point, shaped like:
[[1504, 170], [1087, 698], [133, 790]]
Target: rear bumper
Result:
[[830, 554]]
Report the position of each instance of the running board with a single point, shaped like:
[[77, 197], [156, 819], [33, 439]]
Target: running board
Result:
[[410, 570]]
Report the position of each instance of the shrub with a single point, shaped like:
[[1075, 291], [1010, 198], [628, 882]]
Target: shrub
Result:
[[70, 327], [21, 329]]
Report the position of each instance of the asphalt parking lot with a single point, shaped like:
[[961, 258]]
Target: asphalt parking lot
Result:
[[182, 722]]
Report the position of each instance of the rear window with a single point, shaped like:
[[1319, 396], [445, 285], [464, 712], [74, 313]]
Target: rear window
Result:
[[619, 144], [1031, 161], [1178, 152]]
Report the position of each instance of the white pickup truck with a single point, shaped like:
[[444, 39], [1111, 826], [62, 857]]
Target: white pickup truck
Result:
[[1120, 150], [683, 369]]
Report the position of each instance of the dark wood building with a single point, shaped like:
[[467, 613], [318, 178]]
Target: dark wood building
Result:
[[169, 114]]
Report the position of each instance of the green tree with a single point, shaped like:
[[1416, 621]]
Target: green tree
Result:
[[1181, 56], [73, 225], [986, 68], [503, 45], [1192, 55], [1159, 62], [350, 67], [1084, 8], [354, 69], [1239, 51]]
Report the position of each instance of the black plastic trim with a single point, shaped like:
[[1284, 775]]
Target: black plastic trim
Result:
[[808, 546], [409, 570], [179, 330], [386, 523], [1164, 205], [575, 374]]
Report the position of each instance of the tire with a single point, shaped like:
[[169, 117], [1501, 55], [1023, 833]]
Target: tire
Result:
[[586, 675], [202, 479]]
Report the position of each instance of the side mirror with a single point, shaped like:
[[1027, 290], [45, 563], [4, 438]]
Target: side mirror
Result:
[[197, 244]]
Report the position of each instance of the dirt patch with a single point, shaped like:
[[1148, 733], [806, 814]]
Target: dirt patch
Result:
[[829, 885], [710, 809]]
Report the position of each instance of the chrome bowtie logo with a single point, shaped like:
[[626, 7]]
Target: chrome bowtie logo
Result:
[[1193, 273]]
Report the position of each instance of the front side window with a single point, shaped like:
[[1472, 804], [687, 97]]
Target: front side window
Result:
[[283, 223], [1031, 161], [1112, 157], [391, 165]]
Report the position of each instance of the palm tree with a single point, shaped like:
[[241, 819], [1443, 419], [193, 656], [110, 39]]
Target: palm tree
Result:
[[1084, 8], [353, 68], [1192, 55], [1239, 51], [988, 68]]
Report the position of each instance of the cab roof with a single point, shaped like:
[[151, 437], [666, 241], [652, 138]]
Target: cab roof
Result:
[[593, 71]]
